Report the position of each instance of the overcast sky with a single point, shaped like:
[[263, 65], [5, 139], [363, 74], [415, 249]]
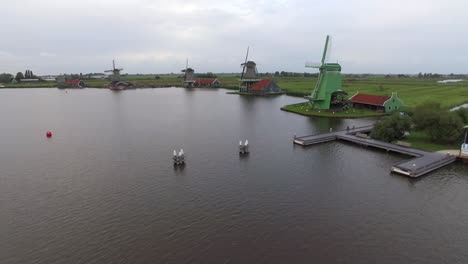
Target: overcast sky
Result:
[[155, 36]]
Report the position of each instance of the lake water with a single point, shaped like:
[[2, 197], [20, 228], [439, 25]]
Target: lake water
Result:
[[103, 189]]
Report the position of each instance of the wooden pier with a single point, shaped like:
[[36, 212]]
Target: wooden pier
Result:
[[422, 163]]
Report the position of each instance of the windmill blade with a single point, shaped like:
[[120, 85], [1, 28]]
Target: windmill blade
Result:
[[109, 71], [309, 64], [329, 49], [325, 49], [186, 68], [243, 70], [245, 63], [113, 64], [317, 86], [247, 55]]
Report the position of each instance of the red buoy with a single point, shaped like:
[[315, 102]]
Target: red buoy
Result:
[[49, 134]]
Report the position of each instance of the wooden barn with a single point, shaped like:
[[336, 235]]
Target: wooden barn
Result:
[[264, 87], [386, 104], [210, 82], [64, 82], [74, 83]]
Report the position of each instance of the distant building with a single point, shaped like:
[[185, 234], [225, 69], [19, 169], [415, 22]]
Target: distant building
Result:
[[386, 104], [65, 82], [29, 80], [208, 82], [48, 78], [75, 83], [264, 86], [100, 76]]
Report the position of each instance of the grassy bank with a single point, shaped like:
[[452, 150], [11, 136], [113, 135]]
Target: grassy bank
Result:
[[411, 90], [421, 140], [306, 109]]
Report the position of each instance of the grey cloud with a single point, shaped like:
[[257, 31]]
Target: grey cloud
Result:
[[156, 36]]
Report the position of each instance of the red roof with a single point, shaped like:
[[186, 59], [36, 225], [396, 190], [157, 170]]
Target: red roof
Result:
[[369, 99], [73, 82], [260, 85], [204, 81]]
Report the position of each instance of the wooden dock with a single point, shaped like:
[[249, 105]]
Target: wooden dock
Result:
[[422, 163]]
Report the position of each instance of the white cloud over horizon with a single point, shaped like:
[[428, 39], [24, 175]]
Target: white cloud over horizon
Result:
[[144, 36]]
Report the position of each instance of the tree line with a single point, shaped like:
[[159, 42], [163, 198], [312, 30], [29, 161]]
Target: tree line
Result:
[[8, 78], [442, 126], [436, 75]]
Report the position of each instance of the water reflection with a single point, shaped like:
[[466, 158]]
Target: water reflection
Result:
[[107, 177]]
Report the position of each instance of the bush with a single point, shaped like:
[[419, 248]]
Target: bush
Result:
[[391, 128], [426, 115], [463, 114], [5, 77], [441, 125], [19, 76], [448, 129]]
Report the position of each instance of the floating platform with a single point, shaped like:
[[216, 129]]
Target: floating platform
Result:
[[422, 163]]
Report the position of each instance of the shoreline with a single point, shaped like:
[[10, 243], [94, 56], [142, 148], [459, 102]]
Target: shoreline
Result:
[[294, 108]]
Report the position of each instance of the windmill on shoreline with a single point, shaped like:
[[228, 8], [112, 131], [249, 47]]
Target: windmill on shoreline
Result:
[[115, 77], [116, 84], [251, 83], [248, 75], [189, 76], [327, 91]]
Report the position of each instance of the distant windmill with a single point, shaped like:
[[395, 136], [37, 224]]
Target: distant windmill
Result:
[[189, 76], [115, 77], [249, 69], [249, 74], [328, 87]]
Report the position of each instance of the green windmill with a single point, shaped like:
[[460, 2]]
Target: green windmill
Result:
[[327, 91]]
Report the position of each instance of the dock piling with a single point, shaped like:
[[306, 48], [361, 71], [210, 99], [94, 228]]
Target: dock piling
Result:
[[244, 148], [178, 158], [423, 162]]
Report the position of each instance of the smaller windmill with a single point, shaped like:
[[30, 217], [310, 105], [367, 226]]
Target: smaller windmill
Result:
[[328, 90], [249, 74], [189, 76], [115, 77]]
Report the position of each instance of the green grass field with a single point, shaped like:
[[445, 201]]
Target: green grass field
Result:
[[306, 109], [421, 140], [411, 90]]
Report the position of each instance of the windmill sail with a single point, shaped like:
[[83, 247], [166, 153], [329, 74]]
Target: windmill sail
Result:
[[114, 70], [312, 64], [324, 58], [245, 63], [186, 69], [325, 55]]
